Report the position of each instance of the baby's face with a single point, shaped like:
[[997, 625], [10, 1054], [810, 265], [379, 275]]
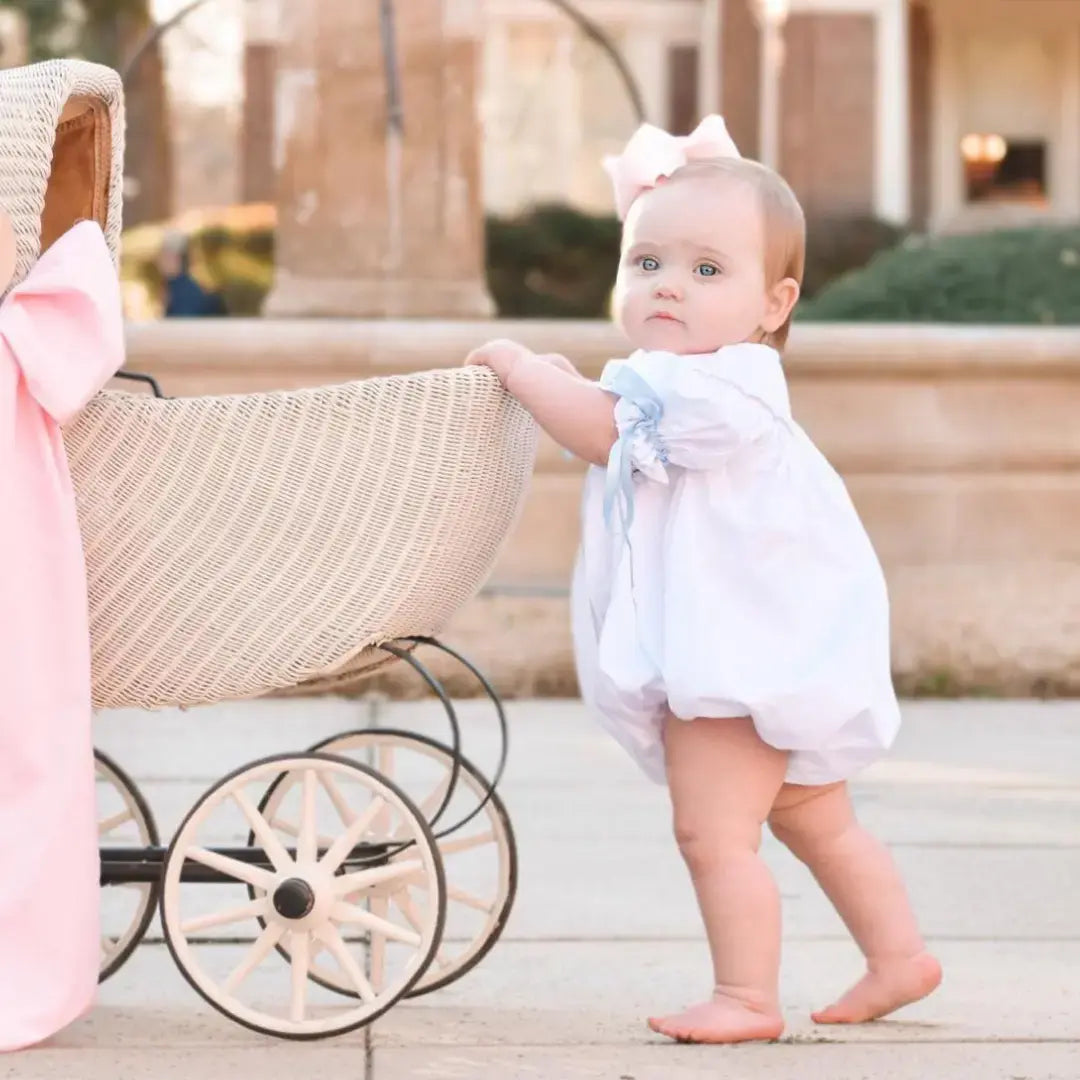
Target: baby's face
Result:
[[692, 275]]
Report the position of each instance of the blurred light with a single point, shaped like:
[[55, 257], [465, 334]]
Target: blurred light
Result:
[[774, 11], [983, 148], [995, 147]]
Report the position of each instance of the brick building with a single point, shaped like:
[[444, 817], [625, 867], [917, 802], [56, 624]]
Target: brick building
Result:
[[945, 113], [948, 114]]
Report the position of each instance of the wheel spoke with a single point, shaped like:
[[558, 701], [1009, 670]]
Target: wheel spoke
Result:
[[435, 798], [366, 879], [466, 843], [307, 843], [289, 829], [329, 936], [386, 760], [266, 836], [386, 767], [427, 808], [380, 909], [232, 868], [344, 844], [299, 953], [110, 824], [460, 896], [342, 912], [258, 952], [250, 910], [341, 804], [405, 902]]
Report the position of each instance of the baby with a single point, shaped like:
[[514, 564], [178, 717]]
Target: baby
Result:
[[731, 621]]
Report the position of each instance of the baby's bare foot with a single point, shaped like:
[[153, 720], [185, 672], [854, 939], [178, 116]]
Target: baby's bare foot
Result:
[[886, 987], [721, 1020]]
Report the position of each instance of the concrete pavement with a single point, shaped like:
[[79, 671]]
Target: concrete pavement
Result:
[[980, 800]]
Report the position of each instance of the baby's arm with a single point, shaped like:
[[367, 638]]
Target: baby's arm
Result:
[[575, 412], [561, 363]]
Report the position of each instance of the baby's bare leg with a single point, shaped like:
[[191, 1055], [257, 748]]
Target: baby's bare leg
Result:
[[723, 781], [860, 878]]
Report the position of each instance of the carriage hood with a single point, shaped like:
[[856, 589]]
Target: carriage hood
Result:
[[61, 155]]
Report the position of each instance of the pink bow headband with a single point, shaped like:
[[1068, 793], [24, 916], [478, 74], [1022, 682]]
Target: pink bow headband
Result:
[[652, 155]]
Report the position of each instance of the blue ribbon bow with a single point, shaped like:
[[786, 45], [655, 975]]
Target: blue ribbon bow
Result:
[[631, 387]]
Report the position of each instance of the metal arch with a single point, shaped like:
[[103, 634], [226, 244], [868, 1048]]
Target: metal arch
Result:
[[455, 730], [395, 117], [599, 36], [136, 376], [500, 711]]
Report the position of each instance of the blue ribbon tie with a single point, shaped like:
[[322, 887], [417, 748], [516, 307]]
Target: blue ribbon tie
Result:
[[630, 387]]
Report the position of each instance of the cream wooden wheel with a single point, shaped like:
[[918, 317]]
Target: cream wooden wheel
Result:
[[124, 820], [356, 836], [479, 858]]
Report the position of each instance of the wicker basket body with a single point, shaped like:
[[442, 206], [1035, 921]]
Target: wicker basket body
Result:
[[242, 545]]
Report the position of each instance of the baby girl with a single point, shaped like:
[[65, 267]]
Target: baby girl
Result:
[[731, 620]]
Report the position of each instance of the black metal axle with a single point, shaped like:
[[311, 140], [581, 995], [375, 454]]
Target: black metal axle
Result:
[[138, 865]]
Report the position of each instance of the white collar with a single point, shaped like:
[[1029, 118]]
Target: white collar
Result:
[[754, 368]]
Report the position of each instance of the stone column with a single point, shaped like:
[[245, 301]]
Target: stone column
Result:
[[947, 184], [892, 158], [257, 179], [369, 226], [740, 74], [14, 39], [1065, 156]]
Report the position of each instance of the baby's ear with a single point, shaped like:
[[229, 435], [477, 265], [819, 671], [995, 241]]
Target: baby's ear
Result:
[[783, 296], [7, 250]]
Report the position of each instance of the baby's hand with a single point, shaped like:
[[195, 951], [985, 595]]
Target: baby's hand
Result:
[[501, 355]]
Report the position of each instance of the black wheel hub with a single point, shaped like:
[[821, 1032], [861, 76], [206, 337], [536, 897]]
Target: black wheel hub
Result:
[[293, 899]]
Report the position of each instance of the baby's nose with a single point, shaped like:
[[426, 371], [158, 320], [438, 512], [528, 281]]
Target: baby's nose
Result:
[[667, 290]]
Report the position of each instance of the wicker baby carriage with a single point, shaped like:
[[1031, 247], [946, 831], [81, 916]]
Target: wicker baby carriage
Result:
[[244, 545]]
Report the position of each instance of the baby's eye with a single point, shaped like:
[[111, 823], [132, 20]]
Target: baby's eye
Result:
[[708, 269], [649, 263]]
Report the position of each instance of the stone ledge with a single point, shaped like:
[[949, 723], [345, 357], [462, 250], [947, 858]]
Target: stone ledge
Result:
[[267, 353], [948, 640], [959, 446]]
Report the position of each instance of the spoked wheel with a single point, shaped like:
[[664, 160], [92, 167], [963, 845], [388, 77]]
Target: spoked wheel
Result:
[[307, 891], [475, 841], [124, 820]]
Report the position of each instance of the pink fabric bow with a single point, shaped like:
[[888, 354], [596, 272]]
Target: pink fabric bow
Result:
[[652, 155], [64, 323], [61, 338]]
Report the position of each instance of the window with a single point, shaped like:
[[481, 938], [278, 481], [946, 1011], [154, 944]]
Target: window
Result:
[[997, 169]]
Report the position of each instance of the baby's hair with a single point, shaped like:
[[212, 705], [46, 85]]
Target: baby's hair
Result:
[[785, 223]]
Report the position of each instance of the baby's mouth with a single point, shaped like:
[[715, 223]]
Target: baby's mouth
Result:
[[663, 316]]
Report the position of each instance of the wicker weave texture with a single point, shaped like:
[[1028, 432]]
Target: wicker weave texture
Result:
[[32, 100], [240, 545]]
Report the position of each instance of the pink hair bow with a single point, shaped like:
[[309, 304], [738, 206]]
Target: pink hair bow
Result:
[[652, 155], [63, 325]]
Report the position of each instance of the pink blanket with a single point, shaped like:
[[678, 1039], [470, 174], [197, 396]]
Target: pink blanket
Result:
[[61, 339]]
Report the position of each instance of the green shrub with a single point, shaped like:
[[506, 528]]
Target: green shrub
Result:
[[1010, 276], [238, 265], [552, 262], [837, 245], [556, 262]]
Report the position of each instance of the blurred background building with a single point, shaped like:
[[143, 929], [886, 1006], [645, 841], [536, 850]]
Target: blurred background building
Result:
[[934, 143], [937, 113]]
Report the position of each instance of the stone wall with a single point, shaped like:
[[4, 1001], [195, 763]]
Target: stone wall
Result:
[[960, 447]]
